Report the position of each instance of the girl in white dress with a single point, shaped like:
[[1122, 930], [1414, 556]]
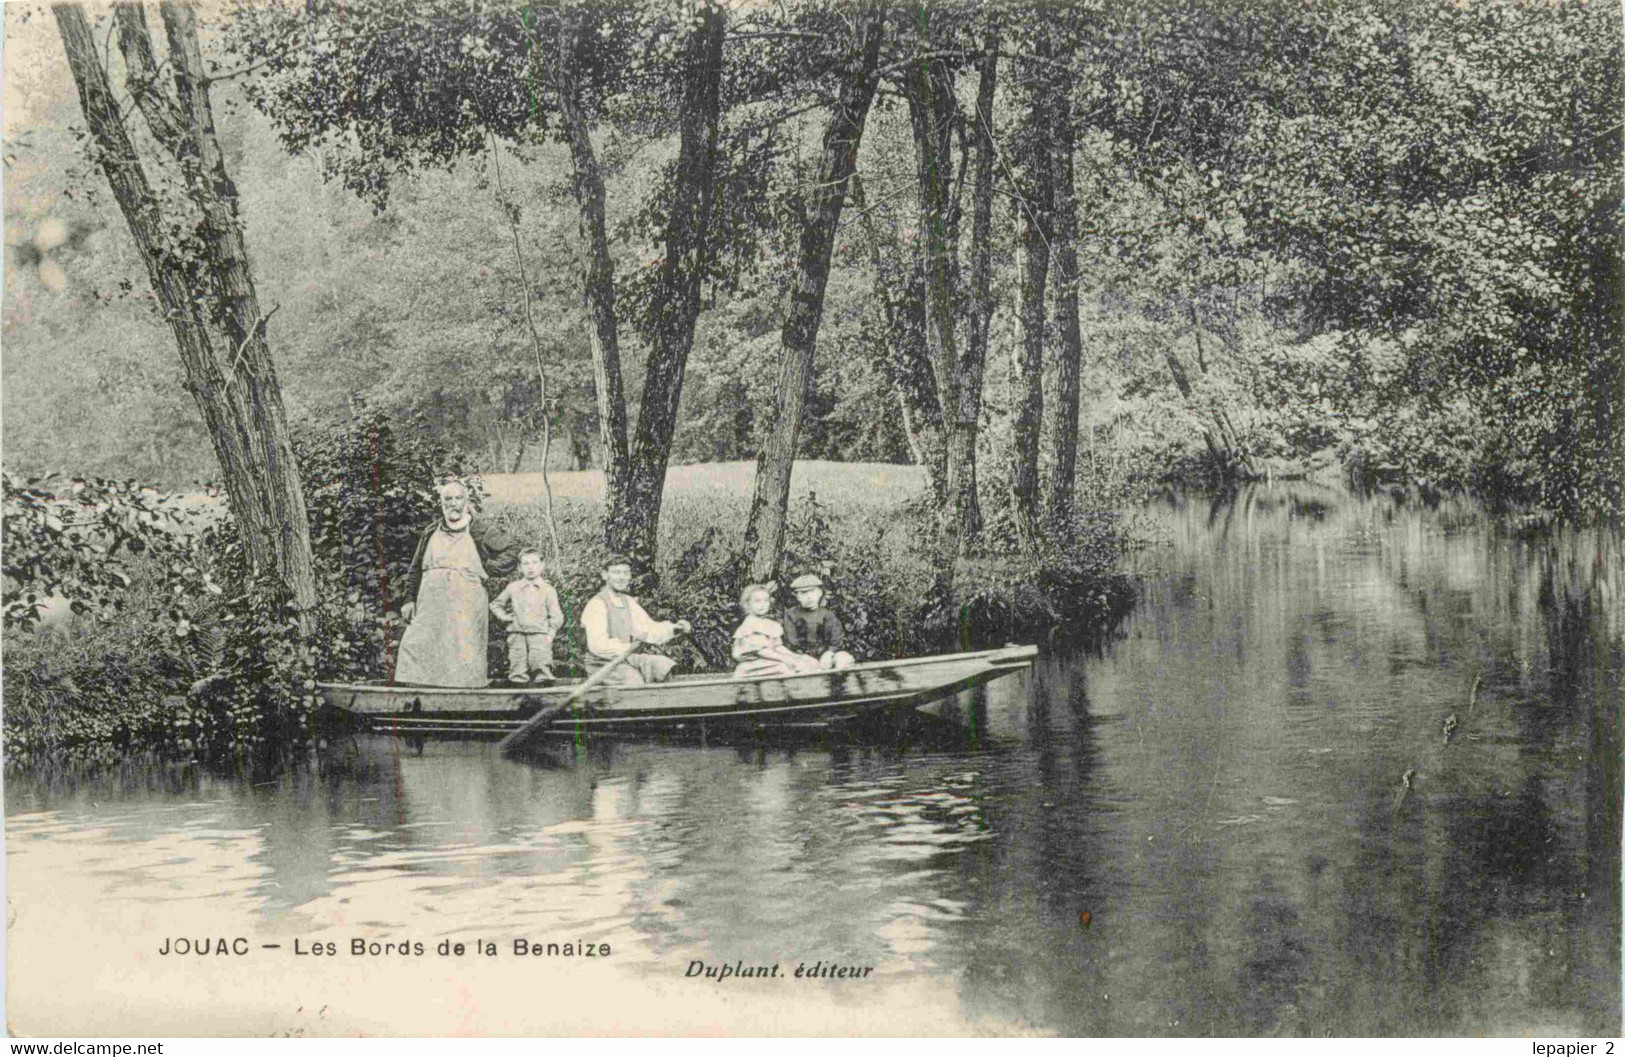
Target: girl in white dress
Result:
[[759, 647]]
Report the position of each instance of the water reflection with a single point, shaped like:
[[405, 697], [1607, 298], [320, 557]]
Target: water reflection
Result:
[[1243, 817]]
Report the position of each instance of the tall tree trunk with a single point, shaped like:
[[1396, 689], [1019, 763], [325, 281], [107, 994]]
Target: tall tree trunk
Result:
[[908, 368], [206, 286], [1034, 204], [764, 532], [1063, 439], [935, 116], [968, 406], [633, 521], [907, 363], [598, 275], [1064, 415], [933, 113]]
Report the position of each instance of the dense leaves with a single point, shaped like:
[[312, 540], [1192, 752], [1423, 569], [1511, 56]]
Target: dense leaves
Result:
[[173, 642], [74, 544], [1432, 192]]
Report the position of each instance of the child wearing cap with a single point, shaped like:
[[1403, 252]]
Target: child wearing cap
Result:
[[811, 628], [759, 641]]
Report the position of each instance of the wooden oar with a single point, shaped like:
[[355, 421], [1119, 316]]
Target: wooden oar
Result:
[[541, 719]]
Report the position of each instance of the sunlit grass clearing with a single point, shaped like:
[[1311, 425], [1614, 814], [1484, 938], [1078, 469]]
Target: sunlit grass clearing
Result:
[[849, 483]]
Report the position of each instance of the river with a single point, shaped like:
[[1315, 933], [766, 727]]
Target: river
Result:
[[1242, 816]]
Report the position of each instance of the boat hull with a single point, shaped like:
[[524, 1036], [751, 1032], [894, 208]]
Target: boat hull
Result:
[[687, 702]]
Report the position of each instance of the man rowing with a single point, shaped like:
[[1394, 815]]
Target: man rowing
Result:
[[614, 620]]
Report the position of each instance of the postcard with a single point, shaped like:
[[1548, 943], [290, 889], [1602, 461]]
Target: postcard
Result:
[[667, 518]]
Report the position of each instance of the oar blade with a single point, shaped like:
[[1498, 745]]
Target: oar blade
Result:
[[515, 741]]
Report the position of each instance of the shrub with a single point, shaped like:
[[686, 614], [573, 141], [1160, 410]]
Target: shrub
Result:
[[875, 562], [194, 655], [77, 540], [188, 652]]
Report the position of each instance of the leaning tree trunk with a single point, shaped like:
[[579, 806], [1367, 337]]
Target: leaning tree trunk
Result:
[[1238, 463], [908, 368], [1034, 203], [1064, 415], [634, 520], [598, 277], [1212, 434], [931, 112], [764, 532], [205, 285], [1221, 438]]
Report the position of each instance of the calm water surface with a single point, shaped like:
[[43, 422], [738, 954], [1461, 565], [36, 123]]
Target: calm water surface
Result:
[[1221, 796]]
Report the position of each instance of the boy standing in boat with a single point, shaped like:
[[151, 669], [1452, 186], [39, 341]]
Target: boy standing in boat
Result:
[[613, 620], [812, 629], [530, 608]]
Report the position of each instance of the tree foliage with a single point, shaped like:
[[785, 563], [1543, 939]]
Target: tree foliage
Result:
[[1381, 239], [1436, 189]]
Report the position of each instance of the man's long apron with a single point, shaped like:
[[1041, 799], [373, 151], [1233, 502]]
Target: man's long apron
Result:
[[446, 641]]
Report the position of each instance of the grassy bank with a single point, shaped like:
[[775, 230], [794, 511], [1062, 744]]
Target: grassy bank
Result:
[[170, 664]]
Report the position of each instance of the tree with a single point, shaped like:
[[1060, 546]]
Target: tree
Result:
[[598, 273], [1441, 184], [1064, 273], [1460, 226], [957, 366], [429, 86], [819, 218], [967, 401], [676, 298], [1035, 201], [434, 85], [192, 245], [899, 278]]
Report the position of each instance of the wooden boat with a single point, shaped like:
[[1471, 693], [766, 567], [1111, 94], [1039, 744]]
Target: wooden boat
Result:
[[687, 702]]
